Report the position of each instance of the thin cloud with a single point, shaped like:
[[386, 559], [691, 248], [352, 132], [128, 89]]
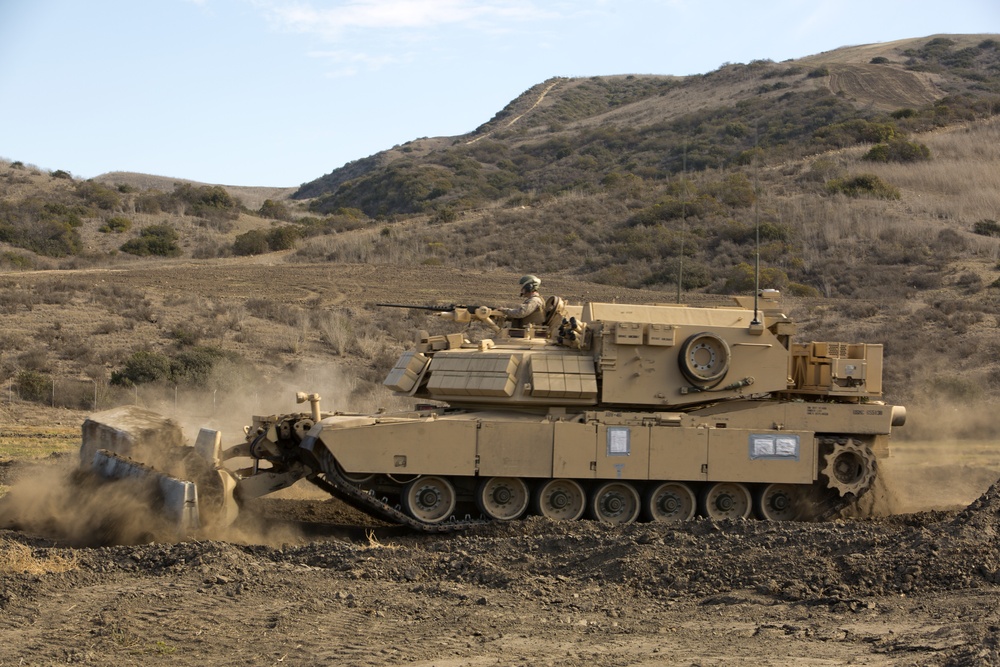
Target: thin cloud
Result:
[[331, 22], [351, 63]]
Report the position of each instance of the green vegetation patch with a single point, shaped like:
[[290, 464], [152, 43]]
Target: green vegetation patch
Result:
[[17, 442], [863, 185]]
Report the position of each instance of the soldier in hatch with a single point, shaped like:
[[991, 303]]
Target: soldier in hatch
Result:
[[532, 309]]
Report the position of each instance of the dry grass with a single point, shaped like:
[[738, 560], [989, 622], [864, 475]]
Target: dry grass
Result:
[[16, 558], [18, 442], [959, 183], [375, 543]]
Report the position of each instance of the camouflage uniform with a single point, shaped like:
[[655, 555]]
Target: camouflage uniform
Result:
[[532, 310]]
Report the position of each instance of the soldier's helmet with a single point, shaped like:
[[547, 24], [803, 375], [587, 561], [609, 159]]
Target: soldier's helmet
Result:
[[529, 284]]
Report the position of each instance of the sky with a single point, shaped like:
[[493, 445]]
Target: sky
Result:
[[279, 93]]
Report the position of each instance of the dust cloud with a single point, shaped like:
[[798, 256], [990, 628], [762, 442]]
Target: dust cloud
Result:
[[943, 458], [70, 505]]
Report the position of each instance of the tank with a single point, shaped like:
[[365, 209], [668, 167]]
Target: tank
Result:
[[614, 412]]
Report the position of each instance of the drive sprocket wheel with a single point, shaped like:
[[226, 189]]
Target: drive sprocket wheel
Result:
[[849, 466]]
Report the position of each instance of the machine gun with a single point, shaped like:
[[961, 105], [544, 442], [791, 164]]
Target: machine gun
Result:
[[456, 313]]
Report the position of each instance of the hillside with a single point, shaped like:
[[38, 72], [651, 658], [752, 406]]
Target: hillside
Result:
[[869, 171], [568, 134]]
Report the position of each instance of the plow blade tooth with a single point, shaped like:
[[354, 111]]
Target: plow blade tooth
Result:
[[208, 446], [180, 498]]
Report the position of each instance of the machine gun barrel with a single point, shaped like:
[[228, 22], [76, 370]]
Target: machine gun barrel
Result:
[[436, 309]]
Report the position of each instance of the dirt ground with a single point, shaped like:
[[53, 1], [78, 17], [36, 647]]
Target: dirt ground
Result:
[[302, 580]]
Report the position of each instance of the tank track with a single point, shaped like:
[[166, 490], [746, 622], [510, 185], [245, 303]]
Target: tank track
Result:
[[334, 483], [836, 504]]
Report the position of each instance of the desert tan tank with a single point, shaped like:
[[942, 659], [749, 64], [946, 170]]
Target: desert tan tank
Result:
[[615, 412]]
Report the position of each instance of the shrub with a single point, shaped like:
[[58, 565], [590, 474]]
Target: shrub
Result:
[[855, 131], [16, 260], [159, 240], [116, 225], [274, 210], [879, 60], [818, 72], [33, 386], [190, 366], [208, 201], [253, 242], [898, 150], [184, 335], [283, 238], [861, 185], [142, 367], [986, 227], [741, 279], [194, 365], [99, 195]]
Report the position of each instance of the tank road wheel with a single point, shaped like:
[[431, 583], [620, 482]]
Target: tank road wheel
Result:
[[429, 499], [615, 502], [671, 502], [502, 498], [560, 499], [726, 500], [849, 467], [778, 502]]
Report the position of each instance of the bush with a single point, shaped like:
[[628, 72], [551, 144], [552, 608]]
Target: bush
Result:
[[190, 366], [283, 238], [142, 367], [986, 227], [208, 201], [253, 242], [861, 185], [116, 225], [274, 210], [159, 240], [879, 60], [898, 150], [98, 195], [741, 279], [33, 386]]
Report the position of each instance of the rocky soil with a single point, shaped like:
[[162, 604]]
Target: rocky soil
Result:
[[301, 580]]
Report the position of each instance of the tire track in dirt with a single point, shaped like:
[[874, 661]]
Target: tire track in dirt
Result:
[[882, 86]]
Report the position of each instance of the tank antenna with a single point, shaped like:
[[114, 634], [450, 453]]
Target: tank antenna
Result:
[[680, 259], [756, 224]]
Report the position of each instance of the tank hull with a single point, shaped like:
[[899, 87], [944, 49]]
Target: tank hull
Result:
[[755, 444]]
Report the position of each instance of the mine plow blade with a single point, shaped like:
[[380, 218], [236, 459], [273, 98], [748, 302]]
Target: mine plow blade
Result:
[[185, 486], [177, 500]]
